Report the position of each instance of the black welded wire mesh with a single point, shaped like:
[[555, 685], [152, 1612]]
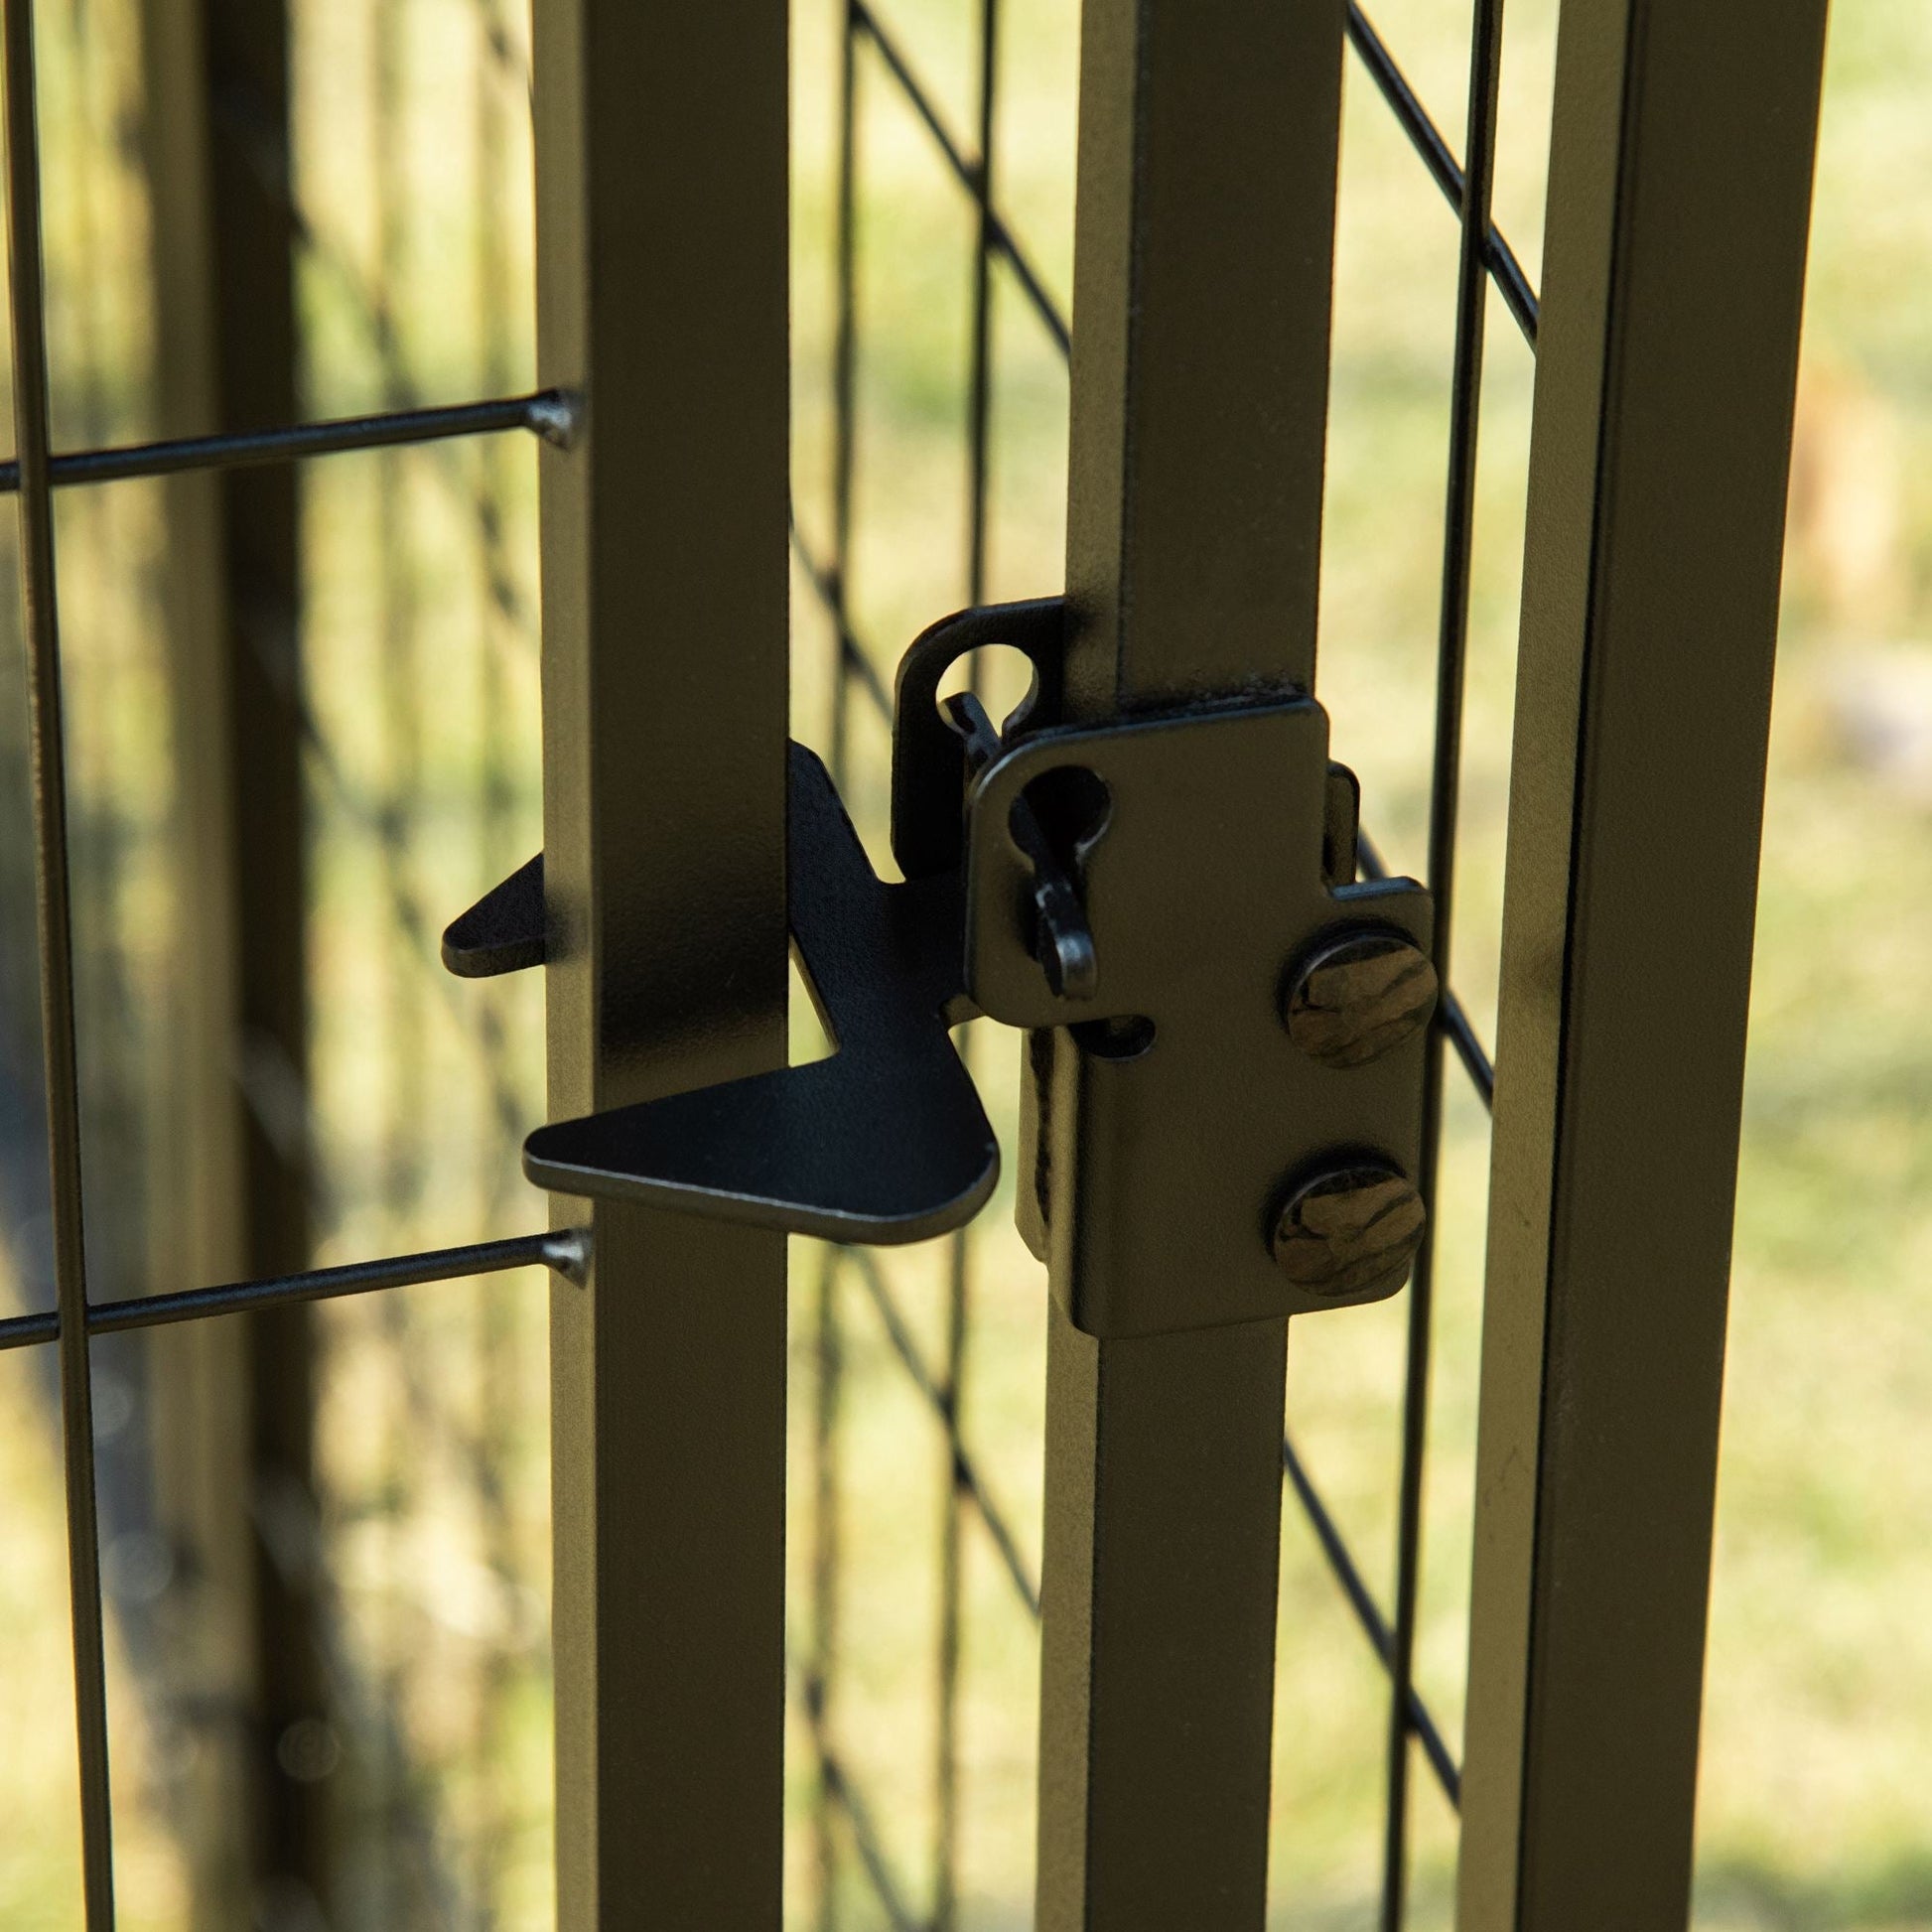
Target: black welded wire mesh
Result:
[[868, 44], [365, 793], [426, 1827]]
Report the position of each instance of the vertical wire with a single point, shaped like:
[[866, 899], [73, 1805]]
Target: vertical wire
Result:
[[845, 363], [946, 1908], [40, 590], [829, 1341], [105, 971], [400, 633], [828, 1347], [498, 1312], [401, 968], [1465, 403]]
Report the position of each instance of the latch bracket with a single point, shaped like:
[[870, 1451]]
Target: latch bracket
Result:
[[1257, 1022], [1168, 904]]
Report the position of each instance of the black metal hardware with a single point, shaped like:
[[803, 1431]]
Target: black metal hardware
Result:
[[1205, 887], [1535, 1845], [883, 1142], [1359, 997], [503, 932], [1178, 890], [1345, 1230]]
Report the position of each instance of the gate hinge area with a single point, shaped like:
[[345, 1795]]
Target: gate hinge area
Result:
[[1226, 1030]]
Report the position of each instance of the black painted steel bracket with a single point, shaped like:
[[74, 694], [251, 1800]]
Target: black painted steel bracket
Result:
[[886, 1140], [1168, 906]]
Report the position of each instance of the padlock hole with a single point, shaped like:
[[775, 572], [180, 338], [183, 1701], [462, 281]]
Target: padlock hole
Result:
[[1071, 805]]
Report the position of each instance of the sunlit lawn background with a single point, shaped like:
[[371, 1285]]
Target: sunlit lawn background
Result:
[[420, 669]]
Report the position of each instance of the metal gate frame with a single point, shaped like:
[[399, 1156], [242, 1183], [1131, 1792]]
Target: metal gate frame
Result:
[[1679, 200], [662, 299], [1679, 197], [1204, 244]]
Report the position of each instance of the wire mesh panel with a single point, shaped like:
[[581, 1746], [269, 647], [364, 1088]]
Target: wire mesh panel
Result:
[[373, 739], [418, 1750], [890, 107]]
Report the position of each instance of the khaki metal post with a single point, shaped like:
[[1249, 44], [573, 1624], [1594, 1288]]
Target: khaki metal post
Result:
[[1680, 189], [661, 210], [234, 1401], [1203, 247]]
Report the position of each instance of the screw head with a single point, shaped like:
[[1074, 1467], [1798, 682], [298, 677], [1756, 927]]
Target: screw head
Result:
[[1349, 1230], [1359, 997]]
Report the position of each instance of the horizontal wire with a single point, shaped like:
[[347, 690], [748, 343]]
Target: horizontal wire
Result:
[[548, 413], [375, 316], [998, 236], [563, 1249], [1420, 1721], [964, 1472], [1427, 138], [552, 414]]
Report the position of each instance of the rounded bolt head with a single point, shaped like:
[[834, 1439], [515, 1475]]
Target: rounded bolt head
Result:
[[1349, 1230], [1359, 997]]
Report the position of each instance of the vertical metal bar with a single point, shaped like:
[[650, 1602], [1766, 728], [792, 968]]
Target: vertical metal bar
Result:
[[1203, 247], [237, 1204], [979, 414], [662, 280], [845, 381], [400, 671], [252, 790], [41, 613], [829, 1330], [979, 404], [829, 1356], [500, 1324], [1680, 189], [399, 1122], [945, 1846], [1458, 539]]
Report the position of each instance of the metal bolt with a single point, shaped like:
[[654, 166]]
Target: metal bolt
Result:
[[1359, 997], [1349, 1230]]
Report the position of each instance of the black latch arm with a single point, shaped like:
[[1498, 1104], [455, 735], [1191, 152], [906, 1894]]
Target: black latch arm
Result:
[[883, 1142]]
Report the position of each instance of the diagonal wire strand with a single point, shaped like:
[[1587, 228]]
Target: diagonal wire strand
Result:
[[1498, 258], [999, 238], [843, 1792], [854, 658], [965, 1470], [1374, 1626]]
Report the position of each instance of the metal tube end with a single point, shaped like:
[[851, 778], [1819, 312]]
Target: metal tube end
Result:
[[556, 415], [568, 1251]]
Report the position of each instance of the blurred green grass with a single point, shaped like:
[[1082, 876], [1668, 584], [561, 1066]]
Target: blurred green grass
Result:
[[1819, 1710]]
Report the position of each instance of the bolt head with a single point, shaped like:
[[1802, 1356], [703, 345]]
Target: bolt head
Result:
[[1359, 997], [1349, 1230]]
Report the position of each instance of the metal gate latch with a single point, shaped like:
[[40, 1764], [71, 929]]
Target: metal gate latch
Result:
[[1226, 1028]]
